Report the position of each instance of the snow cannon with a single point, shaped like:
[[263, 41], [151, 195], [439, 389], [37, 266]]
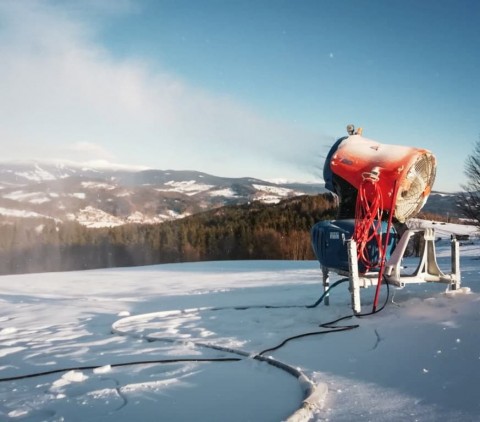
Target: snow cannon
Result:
[[378, 185], [329, 241], [400, 177]]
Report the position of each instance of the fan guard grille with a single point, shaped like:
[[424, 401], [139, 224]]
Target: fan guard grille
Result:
[[415, 187]]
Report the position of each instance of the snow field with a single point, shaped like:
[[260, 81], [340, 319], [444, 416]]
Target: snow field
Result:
[[418, 359]]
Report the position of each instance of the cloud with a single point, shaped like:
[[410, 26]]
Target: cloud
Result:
[[84, 151], [58, 83]]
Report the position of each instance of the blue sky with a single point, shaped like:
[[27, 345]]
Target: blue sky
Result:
[[238, 88]]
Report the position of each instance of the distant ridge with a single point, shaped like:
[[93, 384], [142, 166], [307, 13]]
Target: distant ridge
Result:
[[102, 195]]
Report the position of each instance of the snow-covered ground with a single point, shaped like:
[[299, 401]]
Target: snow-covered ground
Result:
[[416, 360]]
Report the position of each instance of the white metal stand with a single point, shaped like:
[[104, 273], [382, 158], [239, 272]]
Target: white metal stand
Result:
[[427, 270]]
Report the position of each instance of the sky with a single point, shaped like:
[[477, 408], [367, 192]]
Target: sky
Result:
[[256, 88]]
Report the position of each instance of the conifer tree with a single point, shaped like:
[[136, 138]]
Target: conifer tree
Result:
[[470, 197]]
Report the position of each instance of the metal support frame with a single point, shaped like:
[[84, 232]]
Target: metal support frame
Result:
[[326, 285], [426, 271], [354, 284]]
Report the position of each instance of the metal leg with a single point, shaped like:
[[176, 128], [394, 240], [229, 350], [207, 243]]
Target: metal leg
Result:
[[455, 265], [354, 279], [326, 285]]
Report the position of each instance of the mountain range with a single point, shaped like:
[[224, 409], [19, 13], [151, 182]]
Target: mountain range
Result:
[[101, 197], [98, 196]]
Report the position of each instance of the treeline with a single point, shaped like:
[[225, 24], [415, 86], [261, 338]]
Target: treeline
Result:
[[253, 231]]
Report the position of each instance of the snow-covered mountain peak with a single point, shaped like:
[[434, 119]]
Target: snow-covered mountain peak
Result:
[[109, 195]]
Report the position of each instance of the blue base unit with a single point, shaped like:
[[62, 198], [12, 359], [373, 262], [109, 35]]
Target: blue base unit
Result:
[[329, 242]]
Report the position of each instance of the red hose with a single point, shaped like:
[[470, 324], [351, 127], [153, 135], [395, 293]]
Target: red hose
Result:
[[368, 221], [387, 239]]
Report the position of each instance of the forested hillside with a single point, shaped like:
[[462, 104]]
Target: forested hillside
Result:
[[251, 231]]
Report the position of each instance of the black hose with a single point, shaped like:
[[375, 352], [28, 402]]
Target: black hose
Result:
[[325, 293], [115, 365], [330, 325], [313, 333], [333, 328]]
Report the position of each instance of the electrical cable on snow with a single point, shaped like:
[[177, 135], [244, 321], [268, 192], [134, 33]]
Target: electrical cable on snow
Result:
[[313, 393], [313, 333], [331, 324], [160, 361], [179, 360], [116, 365], [325, 293]]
